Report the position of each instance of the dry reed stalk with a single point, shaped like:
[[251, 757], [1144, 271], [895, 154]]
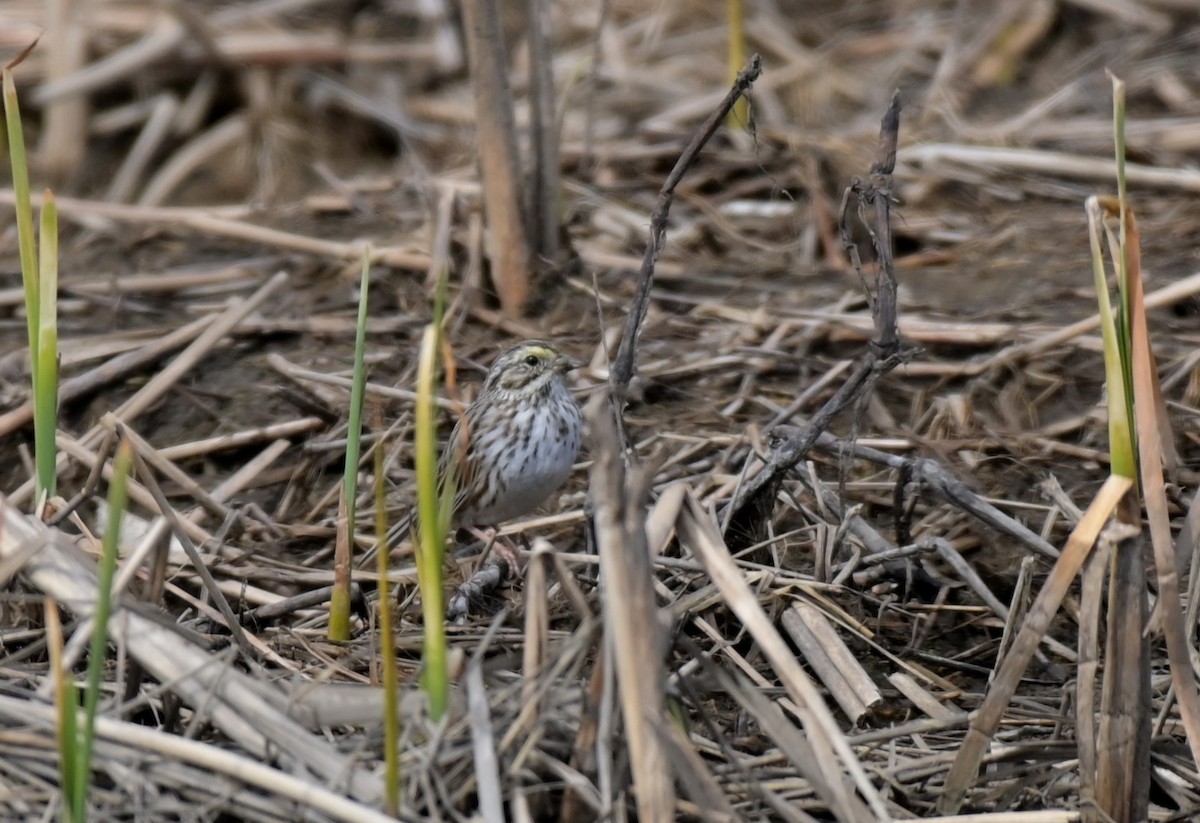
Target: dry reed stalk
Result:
[[537, 619], [173, 747], [168, 469], [1090, 599], [141, 154], [487, 768], [1122, 781], [632, 630], [222, 222], [907, 685], [832, 751], [942, 156], [1079, 545], [76, 450], [1154, 449], [545, 177], [114, 369], [231, 622], [831, 660], [500, 167], [242, 709], [240, 439], [63, 146]]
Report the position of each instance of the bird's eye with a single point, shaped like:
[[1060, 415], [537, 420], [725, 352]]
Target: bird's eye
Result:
[[531, 360]]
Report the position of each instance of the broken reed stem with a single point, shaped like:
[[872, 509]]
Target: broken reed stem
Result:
[[878, 193], [623, 364], [1123, 742]]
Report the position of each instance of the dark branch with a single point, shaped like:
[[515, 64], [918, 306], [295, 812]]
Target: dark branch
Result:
[[623, 366], [751, 508]]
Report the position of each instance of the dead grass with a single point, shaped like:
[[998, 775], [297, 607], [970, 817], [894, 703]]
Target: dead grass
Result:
[[219, 167]]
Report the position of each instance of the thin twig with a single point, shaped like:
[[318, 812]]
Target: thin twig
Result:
[[623, 366]]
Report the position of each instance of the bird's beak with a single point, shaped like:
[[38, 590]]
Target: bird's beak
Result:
[[564, 364]]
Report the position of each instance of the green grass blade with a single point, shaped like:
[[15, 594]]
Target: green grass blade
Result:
[[449, 483], [432, 527], [24, 211], [339, 604], [387, 645], [45, 383], [66, 702], [1120, 430], [1124, 329], [1119, 147], [118, 498]]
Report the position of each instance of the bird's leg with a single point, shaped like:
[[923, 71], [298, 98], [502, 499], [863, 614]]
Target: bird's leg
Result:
[[505, 551], [488, 541], [511, 555]]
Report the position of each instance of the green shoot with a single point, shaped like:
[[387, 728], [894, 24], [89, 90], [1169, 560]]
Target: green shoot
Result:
[[39, 276], [433, 526], [1116, 358], [1115, 327], [24, 209], [66, 702], [387, 643], [118, 496], [434, 505], [1121, 253], [339, 603], [45, 380]]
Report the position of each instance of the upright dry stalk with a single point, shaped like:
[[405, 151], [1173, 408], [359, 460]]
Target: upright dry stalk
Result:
[[543, 137], [507, 240], [735, 13], [631, 628], [1123, 741], [63, 144]]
